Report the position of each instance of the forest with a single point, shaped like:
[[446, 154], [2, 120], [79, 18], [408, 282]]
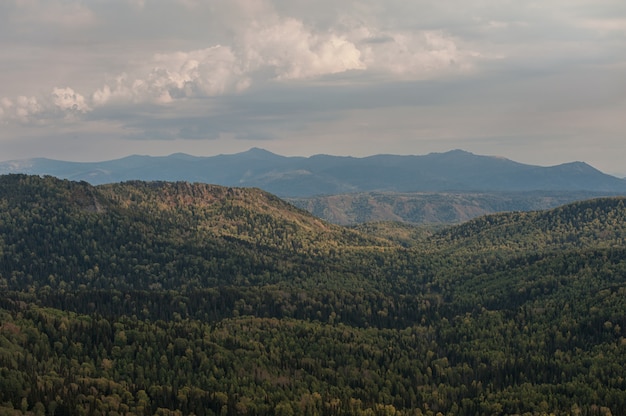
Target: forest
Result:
[[176, 298]]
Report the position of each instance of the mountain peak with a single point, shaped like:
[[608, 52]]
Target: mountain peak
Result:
[[258, 152], [182, 156], [578, 167], [579, 164], [459, 152]]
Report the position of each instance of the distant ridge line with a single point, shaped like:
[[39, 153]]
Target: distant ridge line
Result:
[[297, 176]]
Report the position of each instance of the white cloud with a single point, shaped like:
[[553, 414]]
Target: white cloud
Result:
[[62, 103], [199, 73], [204, 72], [283, 49], [415, 55], [294, 51], [66, 99], [22, 109]]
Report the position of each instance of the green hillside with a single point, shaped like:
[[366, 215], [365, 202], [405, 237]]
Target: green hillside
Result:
[[432, 208], [177, 298]]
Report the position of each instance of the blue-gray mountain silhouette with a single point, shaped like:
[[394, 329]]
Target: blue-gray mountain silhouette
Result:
[[455, 170]]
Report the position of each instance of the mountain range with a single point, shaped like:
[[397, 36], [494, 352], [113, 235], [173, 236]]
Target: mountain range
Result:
[[455, 170]]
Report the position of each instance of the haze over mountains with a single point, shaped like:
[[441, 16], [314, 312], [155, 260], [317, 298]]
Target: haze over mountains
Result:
[[455, 170]]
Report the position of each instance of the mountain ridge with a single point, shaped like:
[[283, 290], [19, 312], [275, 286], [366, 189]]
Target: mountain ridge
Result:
[[296, 176]]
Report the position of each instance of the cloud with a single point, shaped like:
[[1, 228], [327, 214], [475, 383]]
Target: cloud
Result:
[[61, 103], [286, 50], [68, 100], [416, 55], [200, 73], [283, 49], [268, 45], [22, 109], [294, 51]]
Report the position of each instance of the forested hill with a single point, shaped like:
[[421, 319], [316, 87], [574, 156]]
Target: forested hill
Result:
[[434, 208], [176, 298], [171, 234], [597, 223]]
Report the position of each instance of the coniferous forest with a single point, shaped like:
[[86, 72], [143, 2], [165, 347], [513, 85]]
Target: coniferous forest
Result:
[[144, 298]]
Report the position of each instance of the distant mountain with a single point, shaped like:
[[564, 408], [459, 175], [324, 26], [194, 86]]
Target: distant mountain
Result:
[[456, 170], [432, 208]]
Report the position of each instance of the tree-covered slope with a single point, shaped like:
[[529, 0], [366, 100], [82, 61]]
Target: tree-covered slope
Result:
[[173, 235], [510, 259], [432, 208], [176, 298], [590, 223]]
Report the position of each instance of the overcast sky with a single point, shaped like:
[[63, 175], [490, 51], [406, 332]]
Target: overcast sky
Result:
[[541, 82]]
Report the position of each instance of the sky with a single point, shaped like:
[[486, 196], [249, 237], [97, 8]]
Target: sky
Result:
[[539, 82]]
